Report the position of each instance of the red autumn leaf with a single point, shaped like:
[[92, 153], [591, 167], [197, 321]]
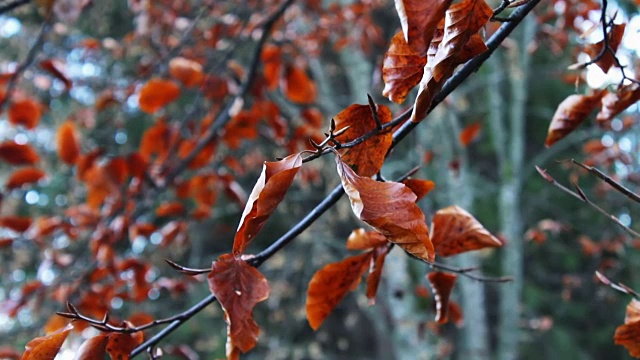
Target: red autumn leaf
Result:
[[402, 69], [18, 154], [419, 187], [614, 35], [156, 94], [297, 86], [188, 72], [55, 323], [155, 140], [331, 284], [120, 345], [442, 284], [469, 133], [455, 314], [628, 334], [570, 113], [267, 193], [25, 112], [68, 143], [419, 20], [118, 170], [16, 223], [56, 68], [373, 279], [367, 157], [365, 240], [46, 347], [616, 102], [271, 60], [238, 287], [456, 231], [202, 158], [390, 208], [93, 348], [28, 175], [173, 208]]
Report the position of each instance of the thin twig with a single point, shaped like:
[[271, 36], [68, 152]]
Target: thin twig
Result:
[[614, 184], [13, 5], [467, 272]]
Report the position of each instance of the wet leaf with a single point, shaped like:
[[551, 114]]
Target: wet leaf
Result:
[[360, 239], [469, 134], [156, 94], [614, 35], [628, 334], [46, 347], [367, 157], [331, 284], [238, 287], [402, 69], [68, 143], [28, 175], [93, 348], [442, 284], [18, 154], [616, 102], [188, 72], [268, 192], [456, 231], [571, 112], [297, 86], [419, 20], [24, 112], [390, 208], [56, 68]]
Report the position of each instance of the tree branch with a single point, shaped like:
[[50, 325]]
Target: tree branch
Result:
[[13, 5]]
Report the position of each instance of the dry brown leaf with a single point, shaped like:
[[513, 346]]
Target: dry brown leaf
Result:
[[390, 208], [268, 192], [93, 348], [367, 157], [373, 279], [419, 187], [46, 347], [331, 284], [238, 287], [442, 284], [456, 231], [616, 102], [571, 112], [360, 239], [402, 69], [628, 335], [615, 35], [419, 20]]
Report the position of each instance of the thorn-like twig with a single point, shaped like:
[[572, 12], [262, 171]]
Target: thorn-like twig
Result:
[[604, 177], [186, 270], [374, 112]]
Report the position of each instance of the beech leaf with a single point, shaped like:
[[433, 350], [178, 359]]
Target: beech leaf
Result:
[[402, 69], [360, 239], [390, 208], [46, 347], [68, 143], [120, 345], [456, 231], [24, 112], [27, 175], [616, 102], [614, 35], [442, 284], [93, 348], [628, 334], [297, 86], [268, 192], [367, 157], [18, 154], [419, 19], [419, 187], [331, 284], [156, 94], [570, 113], [238, 287]]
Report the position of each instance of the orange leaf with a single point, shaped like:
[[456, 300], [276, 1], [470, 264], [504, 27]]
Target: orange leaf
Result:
[[364, 240], [402, 69], [616, 102], [331, 284], [120, 345], [155, 140], [373, 279], [456, 231], [187, 71], [170, 209], [56, 68], [628, 334], [455, 314], [390, 208], [24, 112], [18, 154], [46, 347], [16, 223], [570, 113], [614, 35], [55, 323], [419, 187], [469, 133], [367, 157], [238, 287], [271, 60], [419, 20], [157, 93], [442, 284], [93, 348], [297, 86], [28, 175], [267, 193], [68, 143]]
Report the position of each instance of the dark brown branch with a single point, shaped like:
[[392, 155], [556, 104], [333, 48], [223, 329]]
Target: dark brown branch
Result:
[[614, 184], [31, 55], [12, 5]]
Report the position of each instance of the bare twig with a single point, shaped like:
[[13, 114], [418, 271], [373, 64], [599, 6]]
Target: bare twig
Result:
[[614, 184], [12, 5], [468, 272], [619, 286]]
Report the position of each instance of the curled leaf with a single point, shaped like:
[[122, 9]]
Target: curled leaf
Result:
[[402, 69], [614, 35], [442, 284], [373, 279], [456, 231], [238, 287], [268, 192], [616, 102], [570, 113], [390, 208], [419, 20], [331, 284]]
